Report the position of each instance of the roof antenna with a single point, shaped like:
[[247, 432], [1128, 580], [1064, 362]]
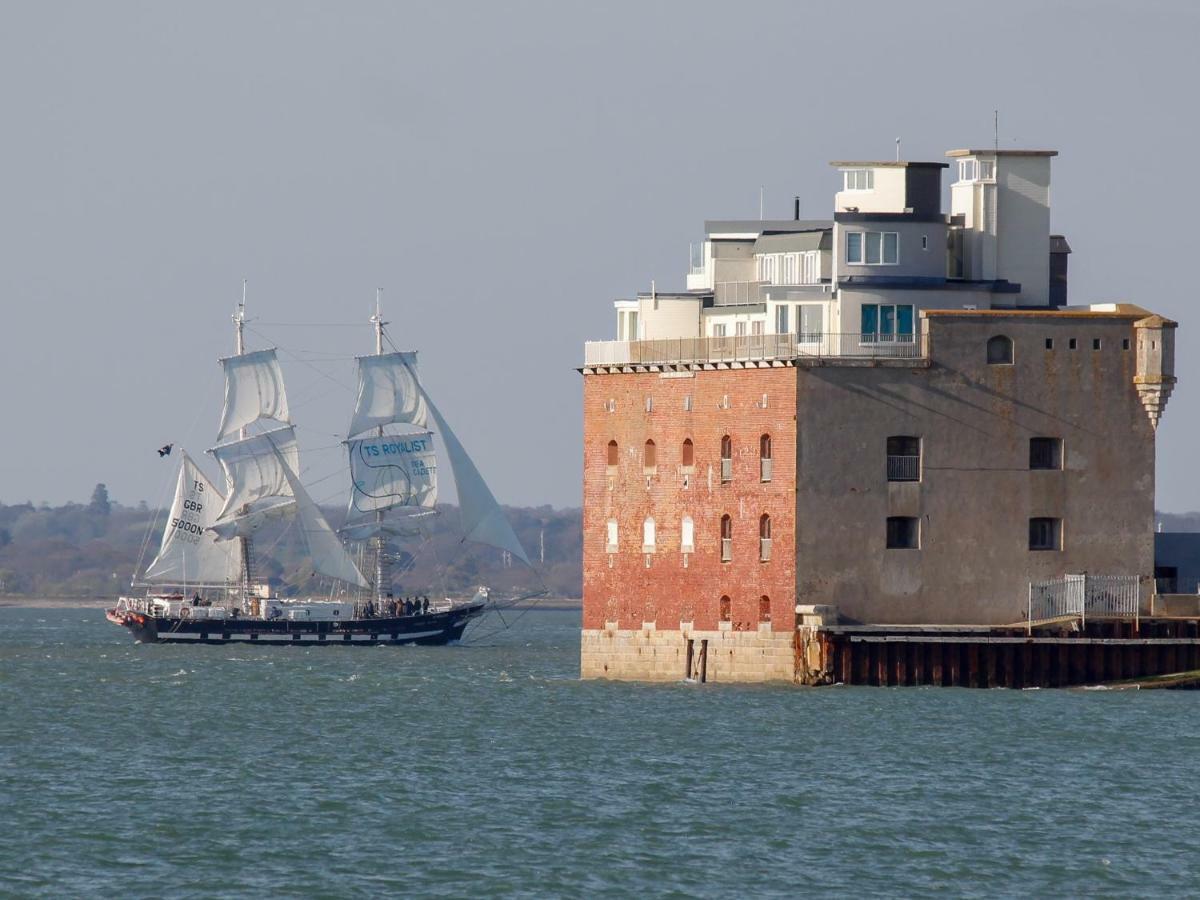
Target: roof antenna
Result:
[[760, 203], [996, 130], [897, 149]]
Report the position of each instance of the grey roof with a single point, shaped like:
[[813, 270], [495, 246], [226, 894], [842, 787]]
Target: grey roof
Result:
[[764, 226], [785, 243], [1058, 244]]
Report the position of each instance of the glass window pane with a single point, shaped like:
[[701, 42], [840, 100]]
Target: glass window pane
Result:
[[873, 247], [887, 320], [781, 320], [854, 247], [890, 246], [904, 319], [811, 320], [870, 318]]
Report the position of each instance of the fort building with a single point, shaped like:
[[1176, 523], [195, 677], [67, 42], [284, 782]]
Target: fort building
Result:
[[857, 448]]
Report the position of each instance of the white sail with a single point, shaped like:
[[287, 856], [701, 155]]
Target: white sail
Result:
[[190, 553], [328, 555], [253, 391], [259, 486], [483, 519], [392, 471], [388, 392]]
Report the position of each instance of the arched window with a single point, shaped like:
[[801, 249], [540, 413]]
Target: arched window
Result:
[[612, 453], [764, 458], [764, 608], [687, 535], [726, 538], [611, 537], [689, 454], [1000, 351], [650, 460], [764, 537], [726, 609], [648, 535], [726, 458]]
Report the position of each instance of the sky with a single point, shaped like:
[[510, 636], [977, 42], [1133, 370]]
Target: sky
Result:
[[504, 171]]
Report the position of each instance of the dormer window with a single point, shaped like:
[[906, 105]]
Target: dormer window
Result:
[[859, 179]]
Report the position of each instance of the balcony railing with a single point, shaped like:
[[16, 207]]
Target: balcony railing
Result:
[[1099, 596], [737, 293], [754, 347], [904, 468]]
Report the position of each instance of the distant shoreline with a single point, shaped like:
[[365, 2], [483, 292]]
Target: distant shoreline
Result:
[[566, 603]]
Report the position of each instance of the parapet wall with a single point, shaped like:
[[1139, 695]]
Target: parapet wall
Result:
[[651, 654]]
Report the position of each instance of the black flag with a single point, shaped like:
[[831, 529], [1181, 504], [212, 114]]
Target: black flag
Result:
[[165, 450]]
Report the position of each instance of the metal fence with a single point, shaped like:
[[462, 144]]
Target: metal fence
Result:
[[904, 468], [1099, 596], [754, 347], [737, 293]]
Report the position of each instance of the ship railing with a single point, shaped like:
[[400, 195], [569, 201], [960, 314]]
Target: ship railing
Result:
[[1081, 596], [823, 346]]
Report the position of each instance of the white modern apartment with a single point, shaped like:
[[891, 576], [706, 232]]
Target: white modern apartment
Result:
[[855, 284]]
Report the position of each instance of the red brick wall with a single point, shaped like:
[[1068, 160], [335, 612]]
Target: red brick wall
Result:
[[619, 587]]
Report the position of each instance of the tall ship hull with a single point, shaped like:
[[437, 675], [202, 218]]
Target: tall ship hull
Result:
[[166, 621]]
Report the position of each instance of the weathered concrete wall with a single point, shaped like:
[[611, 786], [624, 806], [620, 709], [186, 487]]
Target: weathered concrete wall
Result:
[[976, 493], [630, 586], [650, 654]]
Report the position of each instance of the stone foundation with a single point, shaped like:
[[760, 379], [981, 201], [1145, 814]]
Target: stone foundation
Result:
[[650, 654]]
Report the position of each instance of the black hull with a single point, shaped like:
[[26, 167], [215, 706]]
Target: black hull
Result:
[[429, 629]]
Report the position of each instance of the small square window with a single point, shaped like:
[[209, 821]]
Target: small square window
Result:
[[1072, 344], [902, 533], [1049, 343], [1125, 344], [1045, 534], [1095, 343], [1045, 453], [924, 242]]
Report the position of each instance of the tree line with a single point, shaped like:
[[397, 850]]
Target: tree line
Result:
[[86, 550]]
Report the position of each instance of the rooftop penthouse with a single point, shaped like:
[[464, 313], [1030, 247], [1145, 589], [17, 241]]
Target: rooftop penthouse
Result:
[[853, 287]]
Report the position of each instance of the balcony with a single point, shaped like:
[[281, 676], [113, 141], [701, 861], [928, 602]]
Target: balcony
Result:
[[814, 348]]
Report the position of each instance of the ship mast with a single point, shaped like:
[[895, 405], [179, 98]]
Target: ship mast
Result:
[[382, 570], [239, 325]]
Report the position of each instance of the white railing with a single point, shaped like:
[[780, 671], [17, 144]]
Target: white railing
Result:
[[754, 347], [1099, 596]]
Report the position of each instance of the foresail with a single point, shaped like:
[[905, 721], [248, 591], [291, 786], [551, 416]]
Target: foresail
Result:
[[255, 471], [392, 471], [253, 391], [328, 555], [483, 519], [190, 553], [388, 393]]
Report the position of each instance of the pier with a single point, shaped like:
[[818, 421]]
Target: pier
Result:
[[1059, 654]]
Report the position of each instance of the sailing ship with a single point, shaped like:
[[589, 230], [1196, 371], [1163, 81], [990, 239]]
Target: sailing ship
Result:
[[201, 584]]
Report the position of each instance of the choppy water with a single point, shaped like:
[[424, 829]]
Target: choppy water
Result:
[[489, 769]]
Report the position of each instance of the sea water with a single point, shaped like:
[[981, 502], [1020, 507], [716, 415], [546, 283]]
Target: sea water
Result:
[[490, 769]]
